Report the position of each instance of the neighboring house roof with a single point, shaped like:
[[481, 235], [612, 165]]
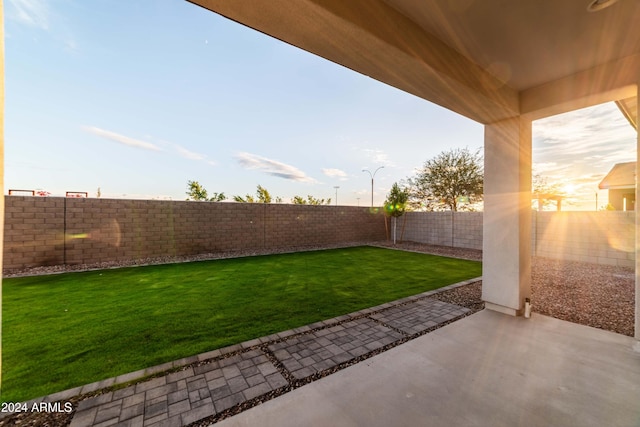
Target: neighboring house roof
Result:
[[622, 175]]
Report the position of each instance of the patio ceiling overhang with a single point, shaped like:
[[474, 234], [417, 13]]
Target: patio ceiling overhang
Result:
[[629, 109], [488, 60]]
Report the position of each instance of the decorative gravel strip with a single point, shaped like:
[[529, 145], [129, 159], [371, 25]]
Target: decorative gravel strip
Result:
[[595, 295], [463, 253], [57, 269], [469, 296]]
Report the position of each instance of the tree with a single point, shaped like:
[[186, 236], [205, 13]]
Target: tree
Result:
[[246, 199], [218, 197], [262, 196], [545, 194], [297, 200], [310, 200], [396, 204], [198, 192], [452, 180]]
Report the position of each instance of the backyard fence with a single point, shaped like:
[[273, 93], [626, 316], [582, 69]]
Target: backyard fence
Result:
[[457, 229], [63, 231], [604, 237], [41, 231]]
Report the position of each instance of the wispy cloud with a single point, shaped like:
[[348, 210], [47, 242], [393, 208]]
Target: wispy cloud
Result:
[[188, 154], [192, 155], [551, 170], [34, 13], [40, 14], [146, 145], [272, 167], [335, 173], [597, 137], [597, 131], [131, 142], [378, 156]]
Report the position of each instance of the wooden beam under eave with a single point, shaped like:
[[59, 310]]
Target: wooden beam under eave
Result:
[[628, 108], [370, 37], [607, 82]]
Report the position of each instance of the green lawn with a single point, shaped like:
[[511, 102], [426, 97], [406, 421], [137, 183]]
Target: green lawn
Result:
[[66, 330]]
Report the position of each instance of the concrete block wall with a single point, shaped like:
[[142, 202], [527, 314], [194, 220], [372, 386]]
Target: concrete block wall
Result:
[[433, 228], [33, 232], [52, 231], [319, 225], [467, 230], [606, 237], [459, 229]]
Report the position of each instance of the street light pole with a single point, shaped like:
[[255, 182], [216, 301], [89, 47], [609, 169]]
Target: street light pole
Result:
[[372, 176], [336, 187]]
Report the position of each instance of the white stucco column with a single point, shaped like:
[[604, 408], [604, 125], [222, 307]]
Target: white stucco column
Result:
[[507, 216]]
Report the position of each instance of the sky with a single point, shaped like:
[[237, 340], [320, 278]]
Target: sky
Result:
[[137, 98]]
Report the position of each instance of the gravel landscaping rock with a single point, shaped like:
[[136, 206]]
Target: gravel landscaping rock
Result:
[[589, 294], [56, 269], [594, 295]]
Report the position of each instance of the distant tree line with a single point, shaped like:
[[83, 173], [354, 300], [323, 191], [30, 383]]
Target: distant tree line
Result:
[[453, 180], [195, 191]]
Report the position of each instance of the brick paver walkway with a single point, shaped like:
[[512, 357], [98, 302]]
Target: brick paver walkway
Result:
[[327, 348], [245, 374]]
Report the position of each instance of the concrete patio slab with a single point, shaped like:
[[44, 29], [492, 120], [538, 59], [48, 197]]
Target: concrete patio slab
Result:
[[486, 369]]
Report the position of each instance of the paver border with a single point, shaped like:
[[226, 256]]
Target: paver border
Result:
[[106, 386]]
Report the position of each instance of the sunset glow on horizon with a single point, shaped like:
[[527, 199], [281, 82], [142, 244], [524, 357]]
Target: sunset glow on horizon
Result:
[[576, 150]]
